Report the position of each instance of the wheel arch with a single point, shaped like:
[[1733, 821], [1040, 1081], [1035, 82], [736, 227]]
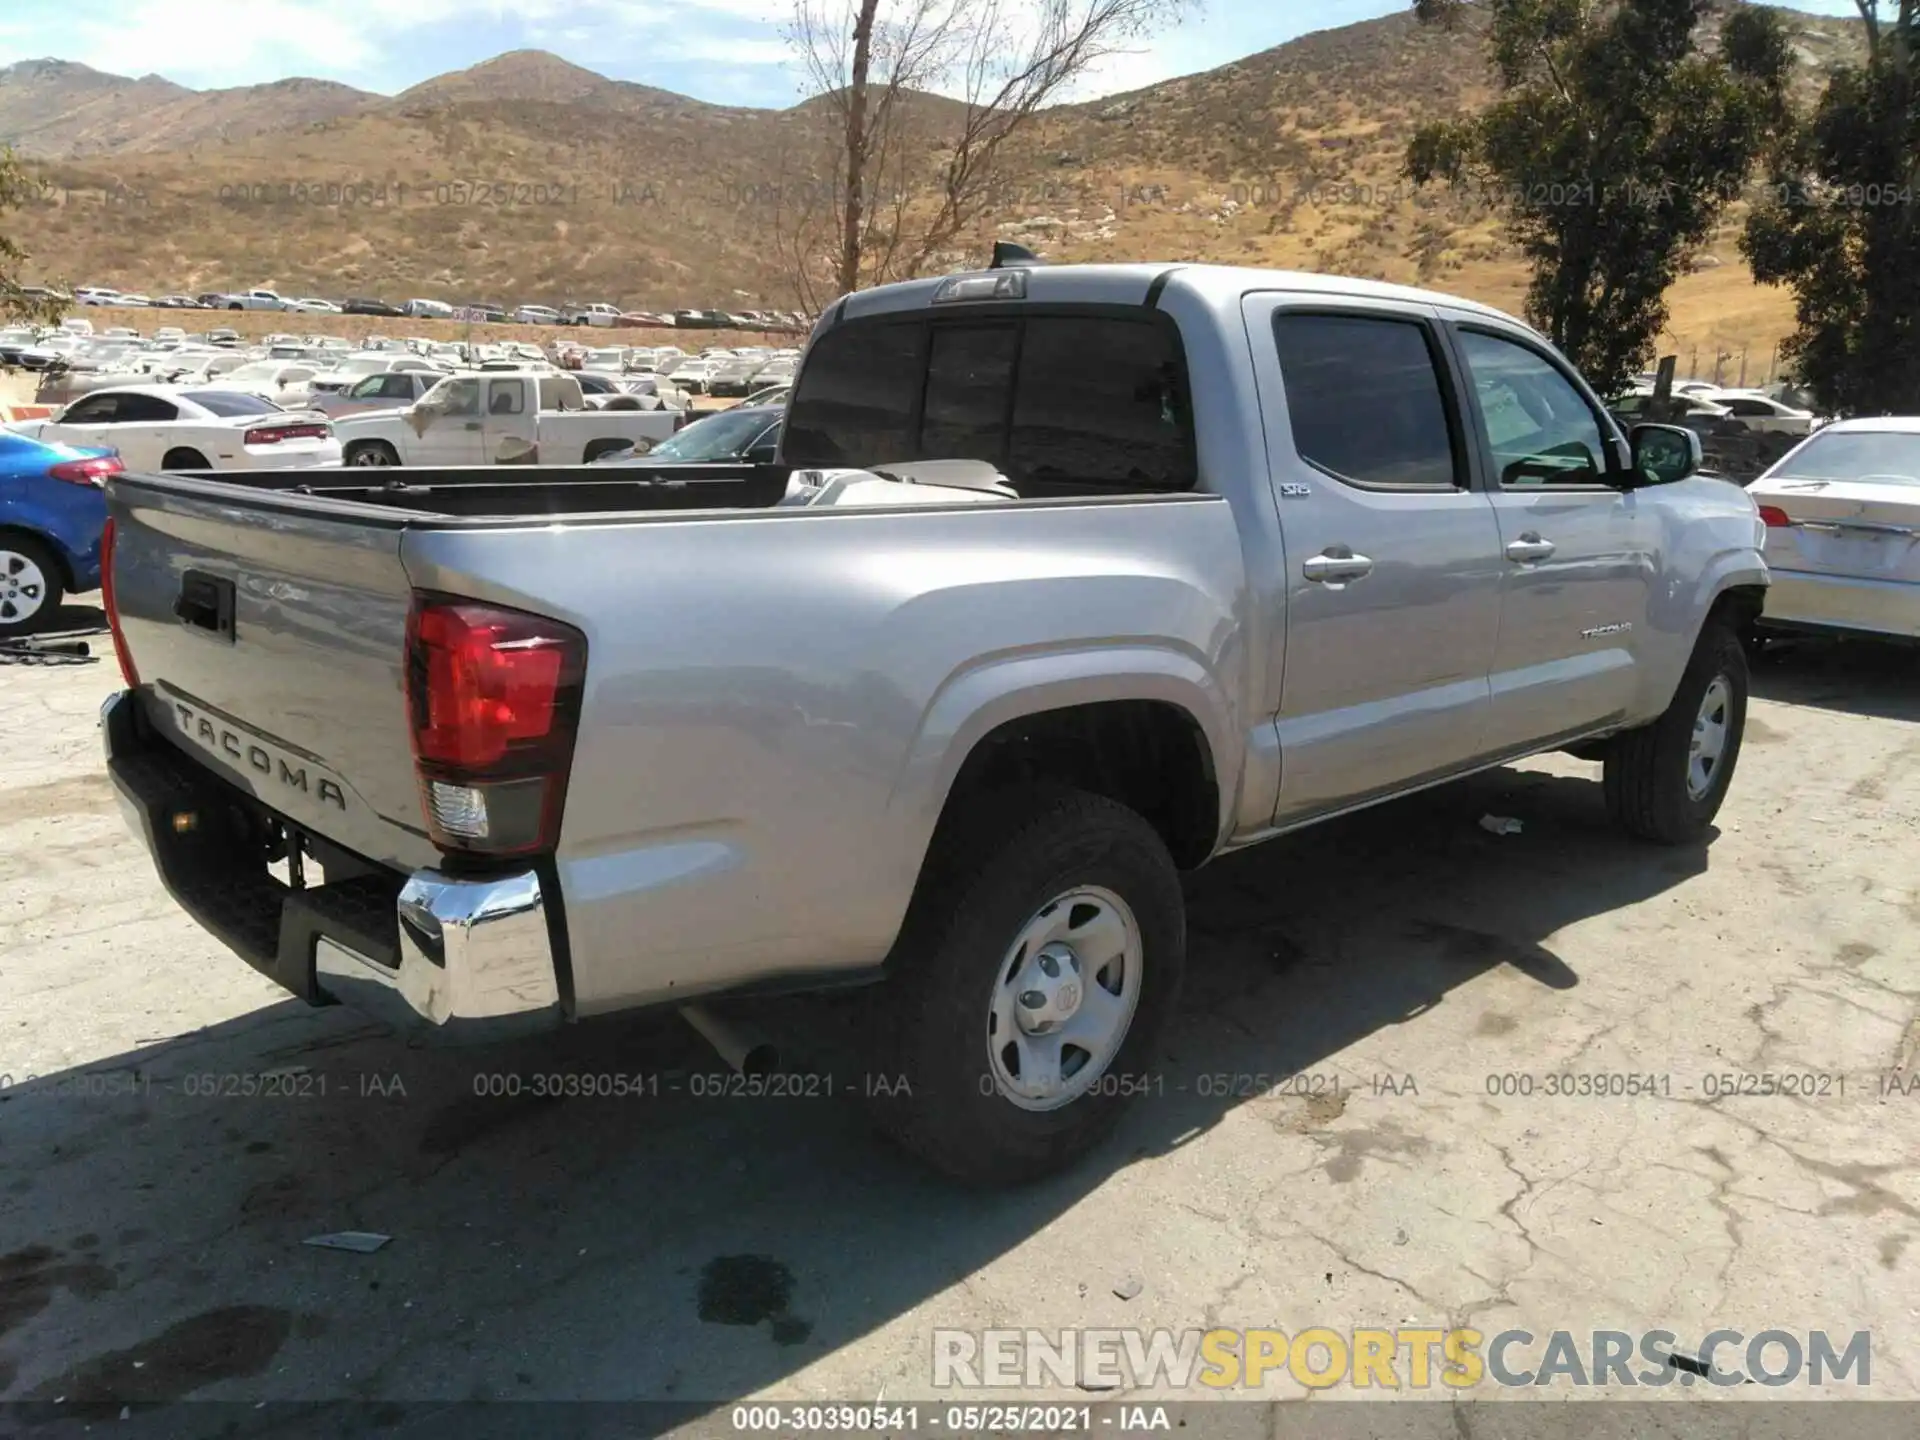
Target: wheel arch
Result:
[[1149, 728]]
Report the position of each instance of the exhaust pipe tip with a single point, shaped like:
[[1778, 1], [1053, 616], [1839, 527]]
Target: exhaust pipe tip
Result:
[[745, 1050]]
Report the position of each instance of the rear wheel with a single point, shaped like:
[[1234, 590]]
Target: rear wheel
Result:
[[184, 460], [1665, 781], [1040, 963], [372, 452], [30, 586]]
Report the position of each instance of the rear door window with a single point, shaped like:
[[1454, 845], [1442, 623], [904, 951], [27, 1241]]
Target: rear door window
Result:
[[1062, 404], [1365, 402]]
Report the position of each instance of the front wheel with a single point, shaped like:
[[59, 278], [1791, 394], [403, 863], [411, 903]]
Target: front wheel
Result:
[[372, 452], [1037, 968], [1665, 781]]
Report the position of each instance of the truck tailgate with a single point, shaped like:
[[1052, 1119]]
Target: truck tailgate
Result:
[[269, 633]]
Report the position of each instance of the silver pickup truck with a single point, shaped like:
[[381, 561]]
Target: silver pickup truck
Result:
[[1235, 551]]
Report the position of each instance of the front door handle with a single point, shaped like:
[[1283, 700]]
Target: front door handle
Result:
[[1335, 566], [1529, 548]]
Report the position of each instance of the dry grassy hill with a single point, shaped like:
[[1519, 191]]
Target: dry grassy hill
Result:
[[531, 179]]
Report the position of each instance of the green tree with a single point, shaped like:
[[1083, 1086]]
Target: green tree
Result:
[[1615, 145], [18, 188], [1840, 224]]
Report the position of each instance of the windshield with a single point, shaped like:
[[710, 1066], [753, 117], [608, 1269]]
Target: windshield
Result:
[[1891, 455], [718, 437]]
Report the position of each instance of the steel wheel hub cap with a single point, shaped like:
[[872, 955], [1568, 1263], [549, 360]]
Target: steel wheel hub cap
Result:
[[1064, 1000], [22, 587], [1709, 738]]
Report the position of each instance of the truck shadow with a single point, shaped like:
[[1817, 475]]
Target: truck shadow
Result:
[[676, 1243], [1879, 679]]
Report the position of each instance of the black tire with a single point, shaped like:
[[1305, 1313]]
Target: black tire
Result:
[[370, 452], [1647, 774], [992, 869], [236, 307], [184, 460], [22, 613]]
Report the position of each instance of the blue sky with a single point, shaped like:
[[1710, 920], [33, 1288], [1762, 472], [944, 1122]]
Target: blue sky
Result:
[[725, 51]]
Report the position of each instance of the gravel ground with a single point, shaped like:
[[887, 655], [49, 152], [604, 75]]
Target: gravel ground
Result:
[[703, 1249]]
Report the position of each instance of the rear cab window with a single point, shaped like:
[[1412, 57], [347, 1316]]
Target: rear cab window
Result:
[[1063, 402]]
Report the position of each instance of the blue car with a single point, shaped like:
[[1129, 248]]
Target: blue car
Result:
[[53, 506]]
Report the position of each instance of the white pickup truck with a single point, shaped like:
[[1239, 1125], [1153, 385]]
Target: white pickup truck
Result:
[[520, 417]]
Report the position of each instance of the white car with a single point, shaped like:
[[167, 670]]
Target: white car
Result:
[[1760, 412], [172, 427], [429, 309], [349, 369], [387, 390], [537, 315], [601, 315], [695, 374], [313, 307], [1842, 511], [282, 381], [93, 295]]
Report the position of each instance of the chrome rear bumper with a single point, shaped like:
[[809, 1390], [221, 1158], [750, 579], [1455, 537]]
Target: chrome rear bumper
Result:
[[463, 960]]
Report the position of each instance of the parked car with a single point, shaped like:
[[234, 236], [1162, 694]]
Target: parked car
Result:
[[389, 390], [1760, 412], [600, 315], [748, 435], [537, 315], [253, 300], [176, 302], [347, 368], [52, 508], [695, 373], [521, 418], [736, 376], [1842, 511], [429, 309], [314, 306], [360, 305], [167, 427], [282, 379], [890, 720], [95, 295]]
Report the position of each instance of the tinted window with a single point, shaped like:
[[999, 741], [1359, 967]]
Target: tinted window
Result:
[[401, 386], [93, 410], [1539, 428], [1752, 409], [370, 388], [1102, 404], [505, 397], [857, 397], [1063, 404], [1364, 399], [969, 368], [459, 397], [230, 402]]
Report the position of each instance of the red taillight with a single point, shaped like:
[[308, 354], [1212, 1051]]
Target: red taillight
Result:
[[120, 650], [274, 434], [493, 697], [1774, 517], [87, 472]]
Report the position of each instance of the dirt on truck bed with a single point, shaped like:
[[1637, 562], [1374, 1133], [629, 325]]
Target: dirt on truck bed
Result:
[[1425, 1075]]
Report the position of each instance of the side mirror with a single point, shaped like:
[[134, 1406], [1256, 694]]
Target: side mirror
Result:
[[1663, 454]]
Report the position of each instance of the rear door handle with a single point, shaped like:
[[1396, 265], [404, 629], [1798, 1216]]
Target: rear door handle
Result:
[[1529, 548], [1335, 566]]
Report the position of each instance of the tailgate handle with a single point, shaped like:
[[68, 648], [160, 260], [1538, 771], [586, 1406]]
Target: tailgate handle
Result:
[[206, 603]]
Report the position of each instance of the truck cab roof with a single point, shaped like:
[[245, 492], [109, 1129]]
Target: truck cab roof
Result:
[[1217, 287]]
